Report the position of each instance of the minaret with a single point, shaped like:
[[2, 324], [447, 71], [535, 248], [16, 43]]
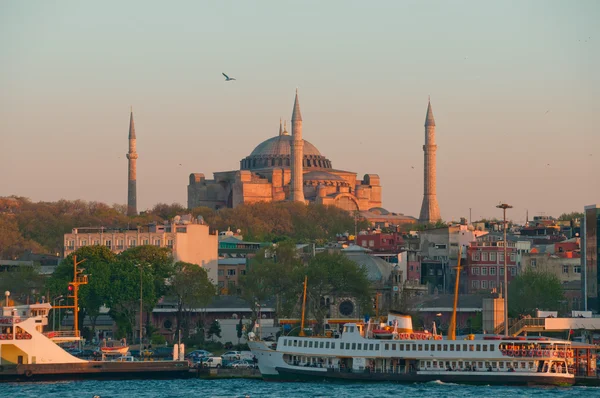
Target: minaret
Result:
[[430, 211], [131, 182], [297, 148]]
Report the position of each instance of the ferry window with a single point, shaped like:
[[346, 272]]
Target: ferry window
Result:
[[386, 347], [494, 365], [354, 346], [284, 343], [458, 347], [426, 347], [451, 347], [487, 365], [393, 347], [295, 343], [371, 347], [414, 347], [439, 347], [377, 347], [345, 329], [333, 345], [351, 329], [310, 344], [359, 346], [420, 347], [478, 347], [305, 343], [464, 347], [433, 347], [460, 364], [400, 347], [435, 364], [485, 347], [428, 364], [445, 347], [321, 345], [492, 347], [327, 344], [516, 365], [453, 365], [471, 347], [480, 364], [523, 365]]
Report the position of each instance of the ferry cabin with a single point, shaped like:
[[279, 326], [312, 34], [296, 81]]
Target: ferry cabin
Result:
[[352, 352]]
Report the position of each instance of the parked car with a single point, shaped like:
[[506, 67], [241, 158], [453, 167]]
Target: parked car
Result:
[[232, 356], [213, 362], [163, 352], [198, 354], [243, 364], [126, 358]]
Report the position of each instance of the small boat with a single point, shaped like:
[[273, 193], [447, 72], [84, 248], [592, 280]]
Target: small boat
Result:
[[114, 348], [383, 334]]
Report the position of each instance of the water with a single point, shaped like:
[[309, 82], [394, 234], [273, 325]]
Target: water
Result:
[[258, 388]]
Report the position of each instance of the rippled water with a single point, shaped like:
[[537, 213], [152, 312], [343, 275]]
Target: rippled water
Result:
[[258, 388]]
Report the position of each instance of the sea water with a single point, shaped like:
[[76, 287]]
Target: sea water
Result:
[[257, 388]]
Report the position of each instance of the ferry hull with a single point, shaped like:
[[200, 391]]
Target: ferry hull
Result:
[[478, 378], [94, 370]]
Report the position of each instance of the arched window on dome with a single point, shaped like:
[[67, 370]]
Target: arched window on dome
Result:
[[279, 162], [273, 162], [287, 161]]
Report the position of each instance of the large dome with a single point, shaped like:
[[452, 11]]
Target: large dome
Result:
[[276, 152], [280, 146]]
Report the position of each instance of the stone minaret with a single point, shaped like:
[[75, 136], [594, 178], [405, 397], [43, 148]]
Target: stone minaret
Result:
[[430, 211], [131, 182], [297, 148]]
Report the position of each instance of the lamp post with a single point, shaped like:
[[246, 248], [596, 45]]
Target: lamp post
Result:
[[54, 312], [7, 294], [505, 206], [59, 318]]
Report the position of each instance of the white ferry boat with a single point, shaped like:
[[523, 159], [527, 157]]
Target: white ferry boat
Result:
[[409, 356]]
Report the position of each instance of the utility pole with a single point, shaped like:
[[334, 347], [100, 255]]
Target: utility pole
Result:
[[505, 206]]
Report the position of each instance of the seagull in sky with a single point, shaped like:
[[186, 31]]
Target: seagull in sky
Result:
[[227, 78], [547, 112]]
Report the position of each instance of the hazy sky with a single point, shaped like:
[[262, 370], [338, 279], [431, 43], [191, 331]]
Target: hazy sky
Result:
[[514, 87]]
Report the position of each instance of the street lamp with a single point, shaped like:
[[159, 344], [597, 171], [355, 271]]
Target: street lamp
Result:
[[54, 312], [505, 206]]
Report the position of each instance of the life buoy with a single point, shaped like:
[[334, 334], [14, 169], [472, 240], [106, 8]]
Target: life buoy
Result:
[[2, 337], [523, 353], [438, 337], [28, 373], [546, 353], [19, 336], [412, 336], [503, 352], [570, 354], [530, 353]]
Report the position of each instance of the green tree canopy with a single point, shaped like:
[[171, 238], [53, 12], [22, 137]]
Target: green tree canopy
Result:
[[192, 289], [570, 216], [533, 290]]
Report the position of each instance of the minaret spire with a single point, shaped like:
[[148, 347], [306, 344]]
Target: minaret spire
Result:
[[297, 155], [280, 127], [132, 177], [430, 210]]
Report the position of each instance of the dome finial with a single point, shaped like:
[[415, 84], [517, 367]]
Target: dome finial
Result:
[[280, 128], [285, 132]]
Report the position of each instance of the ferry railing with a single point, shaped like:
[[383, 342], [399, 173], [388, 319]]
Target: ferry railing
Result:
[[62, 334], [526, 323]]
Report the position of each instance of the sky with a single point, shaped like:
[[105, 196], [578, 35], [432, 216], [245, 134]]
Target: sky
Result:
[[514, 88]]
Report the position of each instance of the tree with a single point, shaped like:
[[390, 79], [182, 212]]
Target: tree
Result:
[[240, 330], [214, 330], [570, 216], [192, 289], [22, 282], [534, 289], [98, 263], [333, 275]]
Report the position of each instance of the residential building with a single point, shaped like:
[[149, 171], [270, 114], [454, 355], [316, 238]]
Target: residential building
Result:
[[189, 239], [486, 263], [590, 256]]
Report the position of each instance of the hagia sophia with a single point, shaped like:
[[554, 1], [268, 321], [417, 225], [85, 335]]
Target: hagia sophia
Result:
[[288, 168]]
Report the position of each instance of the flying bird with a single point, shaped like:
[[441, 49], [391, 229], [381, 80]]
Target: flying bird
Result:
[[547, 112], [227, 78], [412, 167]]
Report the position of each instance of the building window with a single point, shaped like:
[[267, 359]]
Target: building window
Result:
[[484, 284], [475, 284], [513, 257], [230, 272], [181, 229], [492, 256], [492, 284], [411, 268], [484, 256], [156, 242], [565, 269], [577, 269], [120, 244], [501, 271], [484, 270], [501, 257], [108, 243], [533, 263], [170, 243], [146, 242], [492, 270], [132, 243], [97, 242], [371, 243], [513, 271], [476, 256], [475, 271], [440, 246]]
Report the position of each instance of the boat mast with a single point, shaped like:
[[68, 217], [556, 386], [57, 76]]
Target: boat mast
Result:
[[77, 280], [452, 327], [303, 308]]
